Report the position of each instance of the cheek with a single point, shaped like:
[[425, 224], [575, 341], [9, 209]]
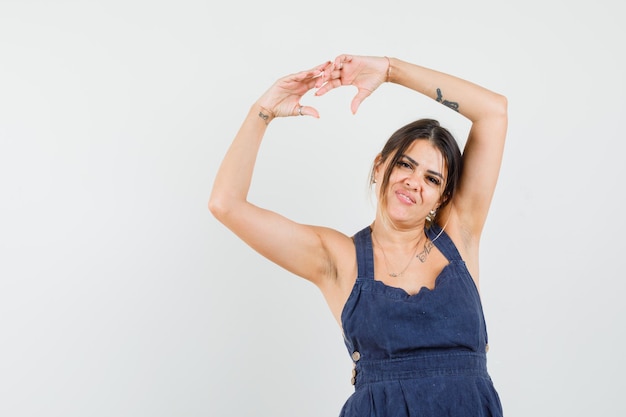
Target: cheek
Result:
[[397, 175], [433, 194]]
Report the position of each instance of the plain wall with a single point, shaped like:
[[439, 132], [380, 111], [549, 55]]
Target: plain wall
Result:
[[120, 295]]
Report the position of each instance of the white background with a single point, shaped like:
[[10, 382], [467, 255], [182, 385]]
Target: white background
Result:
[[120, 295]]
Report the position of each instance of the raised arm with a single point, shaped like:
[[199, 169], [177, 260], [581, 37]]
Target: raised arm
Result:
[[482, 155], [486, 110], [301, 249]]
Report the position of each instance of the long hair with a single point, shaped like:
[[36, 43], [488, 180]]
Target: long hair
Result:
[[403, 138]]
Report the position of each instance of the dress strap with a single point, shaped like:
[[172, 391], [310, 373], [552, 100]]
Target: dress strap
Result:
[[443, 242], [364, 253]]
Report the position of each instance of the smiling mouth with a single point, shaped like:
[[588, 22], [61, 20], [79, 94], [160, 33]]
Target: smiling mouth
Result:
[[405, 197]]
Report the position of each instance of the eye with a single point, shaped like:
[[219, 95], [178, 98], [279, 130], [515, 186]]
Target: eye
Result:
[[404, 164], [434, 180]]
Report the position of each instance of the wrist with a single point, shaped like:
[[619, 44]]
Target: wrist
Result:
[[388, 78], [264, 114]]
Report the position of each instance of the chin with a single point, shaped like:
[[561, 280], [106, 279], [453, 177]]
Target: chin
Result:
[[402, 222]]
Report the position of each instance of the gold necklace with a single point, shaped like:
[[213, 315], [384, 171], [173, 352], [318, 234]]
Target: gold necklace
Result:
[[421, 256]]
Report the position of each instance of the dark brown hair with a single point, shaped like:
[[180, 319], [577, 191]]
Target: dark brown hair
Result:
[[403, 138]]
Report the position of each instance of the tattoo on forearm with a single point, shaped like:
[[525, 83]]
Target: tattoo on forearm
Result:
[[453, 105], [264, 116]]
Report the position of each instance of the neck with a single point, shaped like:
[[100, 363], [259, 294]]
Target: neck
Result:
[[394, 237], [405, 245]]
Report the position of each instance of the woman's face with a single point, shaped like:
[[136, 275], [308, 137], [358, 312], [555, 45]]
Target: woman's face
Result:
[[415, 185]]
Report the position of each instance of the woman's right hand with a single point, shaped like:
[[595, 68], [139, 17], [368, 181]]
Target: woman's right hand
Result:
[[282, 99]]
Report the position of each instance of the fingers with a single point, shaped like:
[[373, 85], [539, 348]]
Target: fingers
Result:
[[315, 72], [330, 72], [341, 60], [331, 78], [333, 71], [324, 77], [358, 99], [325, 65], [329, 85], [301, 110], [333, 75]]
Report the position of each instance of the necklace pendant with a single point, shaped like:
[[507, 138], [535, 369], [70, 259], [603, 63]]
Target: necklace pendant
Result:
[[393, 274]]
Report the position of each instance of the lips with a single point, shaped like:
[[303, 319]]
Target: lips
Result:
[[405, 197]]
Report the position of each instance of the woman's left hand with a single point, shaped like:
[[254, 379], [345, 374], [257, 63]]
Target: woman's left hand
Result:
[[366, 73]]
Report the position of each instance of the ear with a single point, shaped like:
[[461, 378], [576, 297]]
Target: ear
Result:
[[442, 201], [378, 164]]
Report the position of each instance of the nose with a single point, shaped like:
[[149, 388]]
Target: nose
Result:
[[412, 183]]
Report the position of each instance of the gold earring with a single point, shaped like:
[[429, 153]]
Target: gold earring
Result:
[[431, 216]]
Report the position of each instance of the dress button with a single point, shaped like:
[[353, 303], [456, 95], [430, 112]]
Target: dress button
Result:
[[353, 381], [356, 356]]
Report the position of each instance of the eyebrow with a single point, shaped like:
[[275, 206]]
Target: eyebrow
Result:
[[430, 171]]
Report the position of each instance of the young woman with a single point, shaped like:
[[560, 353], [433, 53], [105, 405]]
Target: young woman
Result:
[[404, 289]]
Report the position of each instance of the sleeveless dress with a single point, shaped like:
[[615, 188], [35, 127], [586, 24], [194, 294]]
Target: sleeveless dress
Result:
[[421, 355]]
